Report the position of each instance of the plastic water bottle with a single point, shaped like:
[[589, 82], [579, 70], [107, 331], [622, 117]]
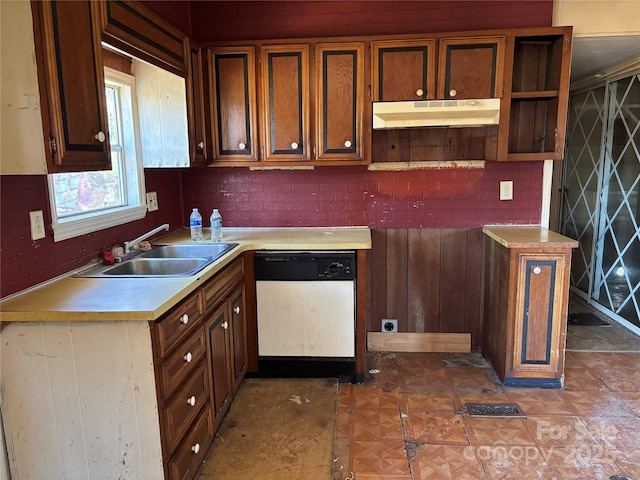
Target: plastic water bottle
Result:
[[195, 223], [216, 226]]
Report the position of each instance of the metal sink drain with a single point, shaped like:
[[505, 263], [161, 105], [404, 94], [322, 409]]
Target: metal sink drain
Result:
[[494, 410]]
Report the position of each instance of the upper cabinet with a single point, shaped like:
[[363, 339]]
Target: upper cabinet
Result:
[[403, 70], [340, 102], [285, 102], [471, 67], [533, 111], [196, 110], [232, 93], [75, 122]]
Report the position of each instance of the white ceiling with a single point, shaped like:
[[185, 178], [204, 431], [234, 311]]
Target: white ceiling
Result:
[[591, 55]]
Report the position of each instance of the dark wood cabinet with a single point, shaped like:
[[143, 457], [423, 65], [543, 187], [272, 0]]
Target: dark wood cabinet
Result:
[[68, 45], [219, 337], [471, 67], [339, 90], [232, 92], [285, 102], [239, 336], [533, 112], [403, 70], [196, 111], [525, 304]]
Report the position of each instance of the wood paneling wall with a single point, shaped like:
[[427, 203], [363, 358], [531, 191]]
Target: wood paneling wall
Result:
[[430, 279]]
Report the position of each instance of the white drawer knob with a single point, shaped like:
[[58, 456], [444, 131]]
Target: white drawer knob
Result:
[[236, 310], [294, 145], [452, 93], [100, 136], [419, 93], [192, 400], [537, 270], [195, 448], [347, 144], [242, 146], [201, 145], [184, 319], [225, 325], [188, 357]]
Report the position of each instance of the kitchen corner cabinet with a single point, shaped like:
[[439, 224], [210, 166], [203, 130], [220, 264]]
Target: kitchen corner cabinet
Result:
[[198, 143], [285, 102], [471, 67], [339, 91], [525, 304], [403, 70], [533, 111], [68, 49], [232, 91]]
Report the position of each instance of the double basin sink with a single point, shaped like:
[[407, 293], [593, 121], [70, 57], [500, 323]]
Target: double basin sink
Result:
[[165, 261]]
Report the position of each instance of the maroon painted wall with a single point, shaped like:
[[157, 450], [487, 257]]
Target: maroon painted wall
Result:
[[343, 196], [326, 196]]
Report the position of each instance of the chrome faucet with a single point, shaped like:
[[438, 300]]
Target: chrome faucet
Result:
[[133, 244]]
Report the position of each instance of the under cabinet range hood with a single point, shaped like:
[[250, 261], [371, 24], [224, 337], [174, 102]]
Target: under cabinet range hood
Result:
[[436, 113]]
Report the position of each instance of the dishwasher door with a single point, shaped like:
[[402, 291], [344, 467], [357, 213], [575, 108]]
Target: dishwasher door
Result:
[[311, 318]]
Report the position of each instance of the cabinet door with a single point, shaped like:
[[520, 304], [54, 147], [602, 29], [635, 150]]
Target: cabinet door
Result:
[[403, 70], [340, 101], [285, 102], [471, 67], [233, 104], [72, 54], [195, 107], [239, 336], [218, 349]]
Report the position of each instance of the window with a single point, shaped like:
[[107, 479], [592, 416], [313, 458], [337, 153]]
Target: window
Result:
[[86, 202]]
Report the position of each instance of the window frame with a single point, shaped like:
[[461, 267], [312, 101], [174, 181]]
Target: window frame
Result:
[[136, 208]]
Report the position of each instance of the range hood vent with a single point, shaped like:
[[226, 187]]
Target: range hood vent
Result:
[[436, 113]]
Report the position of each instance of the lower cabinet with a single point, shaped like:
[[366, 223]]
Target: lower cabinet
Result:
[[200, 359]]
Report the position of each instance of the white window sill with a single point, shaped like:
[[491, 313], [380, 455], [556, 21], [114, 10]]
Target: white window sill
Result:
[[90, 223]]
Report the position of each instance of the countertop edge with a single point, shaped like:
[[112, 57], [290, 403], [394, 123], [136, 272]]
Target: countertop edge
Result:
[[527, 236]]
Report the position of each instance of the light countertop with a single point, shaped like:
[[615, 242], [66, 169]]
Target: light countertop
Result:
[[525, 236], [145, 299]]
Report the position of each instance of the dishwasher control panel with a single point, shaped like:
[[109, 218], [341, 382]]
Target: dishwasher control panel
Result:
[[305, 266]]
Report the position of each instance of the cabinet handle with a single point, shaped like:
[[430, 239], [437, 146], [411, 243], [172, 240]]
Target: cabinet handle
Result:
[[419, 93], [347, 144], [236, 310], [100, 136], [242, 146], [184, 319], [294, 145], [537, 270], [192, 400], [452, 93], [188, 357], [225, 325], [201, 145], [195, 448]]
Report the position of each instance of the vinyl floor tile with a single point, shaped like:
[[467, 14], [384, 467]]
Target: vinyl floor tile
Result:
[[436, 462], [378, 457]]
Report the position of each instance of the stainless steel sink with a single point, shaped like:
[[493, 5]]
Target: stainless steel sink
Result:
[[164, 261], [158, 267], [205, 250]]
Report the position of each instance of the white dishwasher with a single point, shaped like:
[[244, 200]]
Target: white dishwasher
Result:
[[306, 313]]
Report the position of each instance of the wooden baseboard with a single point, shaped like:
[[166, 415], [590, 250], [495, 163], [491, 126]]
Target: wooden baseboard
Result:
[[419, 342]]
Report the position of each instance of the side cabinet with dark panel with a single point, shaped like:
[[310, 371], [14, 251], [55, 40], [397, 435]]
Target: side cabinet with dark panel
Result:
[[525, 304]]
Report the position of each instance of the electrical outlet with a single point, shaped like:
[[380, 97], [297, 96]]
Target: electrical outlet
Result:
[[389, 325], [506, 190], [152, 201], [37, 225]]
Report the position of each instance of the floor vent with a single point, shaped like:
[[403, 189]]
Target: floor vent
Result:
[[586, 319], [494, 410]]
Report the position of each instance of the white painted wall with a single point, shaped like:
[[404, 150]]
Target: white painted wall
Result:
[[592, 18], [78, 401], [21, 138]]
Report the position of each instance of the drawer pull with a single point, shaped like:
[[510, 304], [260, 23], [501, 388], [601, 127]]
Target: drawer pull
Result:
[[195, 448], [184, 319], [452, 93], [236, 310], [225, 325], [192, 400], [294, 145], [537, 270], [188, 357], [347, 144], [242, 146], [419, 93]]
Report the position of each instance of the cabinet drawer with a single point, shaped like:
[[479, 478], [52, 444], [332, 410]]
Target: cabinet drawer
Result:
[[180, 411], [187, 458], [177, 324], [223, 283], [182, 363]]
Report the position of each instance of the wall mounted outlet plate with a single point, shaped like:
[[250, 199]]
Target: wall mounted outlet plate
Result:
[[152, 201], [389, 325]]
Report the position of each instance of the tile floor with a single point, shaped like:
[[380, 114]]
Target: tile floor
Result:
[[407, 421]]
